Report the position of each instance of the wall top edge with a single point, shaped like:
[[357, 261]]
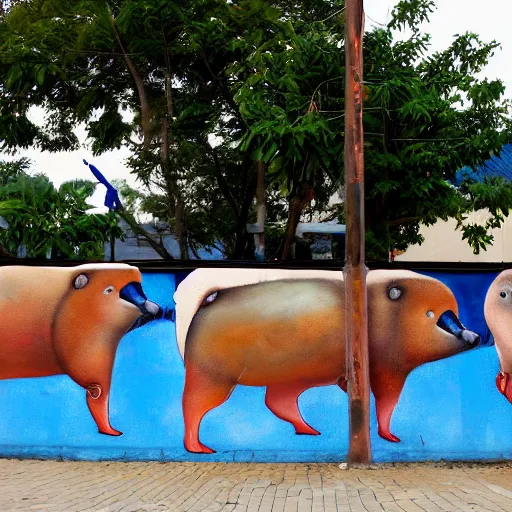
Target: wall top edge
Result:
[[178, 265]]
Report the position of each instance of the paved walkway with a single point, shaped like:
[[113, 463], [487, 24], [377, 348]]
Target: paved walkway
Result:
[[117, 486]]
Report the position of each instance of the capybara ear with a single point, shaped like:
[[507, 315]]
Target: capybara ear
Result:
[[80, 281]]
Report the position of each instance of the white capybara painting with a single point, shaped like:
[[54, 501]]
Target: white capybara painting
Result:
[[498, 315]]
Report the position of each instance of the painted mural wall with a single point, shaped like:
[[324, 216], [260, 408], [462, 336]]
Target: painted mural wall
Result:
[[101, 361]]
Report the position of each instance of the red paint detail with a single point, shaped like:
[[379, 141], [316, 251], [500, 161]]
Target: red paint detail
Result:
[[385, 406], [94, 391], [282, 400], [99, 410], [201, 394], [388, 436], [504, 384]]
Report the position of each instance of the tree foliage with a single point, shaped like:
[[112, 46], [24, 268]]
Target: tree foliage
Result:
[[203, 90], [41, 221], [428, 115]]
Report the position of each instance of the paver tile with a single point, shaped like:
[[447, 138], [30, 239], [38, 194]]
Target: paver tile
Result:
[[51, 486]]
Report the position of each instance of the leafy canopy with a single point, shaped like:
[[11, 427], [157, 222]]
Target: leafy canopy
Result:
[[266, 80], [40, 221]]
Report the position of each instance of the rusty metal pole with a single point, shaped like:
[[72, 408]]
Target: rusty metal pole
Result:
[[356, 310]]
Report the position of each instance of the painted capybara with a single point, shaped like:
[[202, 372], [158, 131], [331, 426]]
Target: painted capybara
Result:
[[498, 315], [289, 335], [70, 321], [204, 282]]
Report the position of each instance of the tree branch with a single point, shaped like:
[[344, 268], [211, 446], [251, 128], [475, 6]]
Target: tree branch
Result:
[[330, 16], [221, 180], [139, 83], [97, 52], [404, 220], [4, 254], [224, 91], [138, 230]]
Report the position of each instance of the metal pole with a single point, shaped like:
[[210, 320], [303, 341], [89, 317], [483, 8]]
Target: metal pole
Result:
[[112, 237], [356, 310], [261, 213]]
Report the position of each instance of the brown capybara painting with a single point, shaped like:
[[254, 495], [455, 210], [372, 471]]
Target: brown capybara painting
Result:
[[289, 335], [69, 321], [498, 315]]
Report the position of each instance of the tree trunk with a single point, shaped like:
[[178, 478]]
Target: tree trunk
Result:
[[138, 230], [145, 112], [241, 234], [297, 205], [180, 230], [173, 190], [242, 215], [240, 241], [6, 255]]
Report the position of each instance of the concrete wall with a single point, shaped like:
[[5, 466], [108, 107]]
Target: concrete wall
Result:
[[443, 243], [448, 409]]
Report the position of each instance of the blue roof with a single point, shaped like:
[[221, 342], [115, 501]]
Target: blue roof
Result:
[[498, 165]]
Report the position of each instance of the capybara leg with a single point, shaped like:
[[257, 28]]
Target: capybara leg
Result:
[[201, 394], [90, 366], [282, 400], [97, 401], [385, 407]]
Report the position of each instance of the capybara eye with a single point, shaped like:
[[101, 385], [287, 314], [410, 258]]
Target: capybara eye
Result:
[[209, 299], [430, 314], [503, 295], [80, 281], [394, 293], [108, 289]]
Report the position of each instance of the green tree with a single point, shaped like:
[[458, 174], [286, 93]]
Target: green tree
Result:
[[266, 80], [428, 115], [41, 221], [97, 58], [163, 61], [425, 116], [11, 169], [293, 103]]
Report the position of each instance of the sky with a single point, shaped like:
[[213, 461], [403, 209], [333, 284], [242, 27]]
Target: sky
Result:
[[491, 20]]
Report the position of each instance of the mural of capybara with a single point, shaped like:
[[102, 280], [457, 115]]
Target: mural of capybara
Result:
[[202, 283], [69, 321], [288, 334], [498, 315]]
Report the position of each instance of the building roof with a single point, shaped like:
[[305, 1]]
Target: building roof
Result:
[[498, 165]]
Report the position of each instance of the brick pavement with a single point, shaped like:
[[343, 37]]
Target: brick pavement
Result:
[[210, 487]]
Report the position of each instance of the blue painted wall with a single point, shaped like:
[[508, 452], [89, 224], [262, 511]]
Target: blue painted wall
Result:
[[447, 410]]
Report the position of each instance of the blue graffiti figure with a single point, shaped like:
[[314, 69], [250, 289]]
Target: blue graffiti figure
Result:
[[112, 201]]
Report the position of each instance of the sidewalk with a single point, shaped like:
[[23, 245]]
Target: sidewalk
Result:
[[117, 486]]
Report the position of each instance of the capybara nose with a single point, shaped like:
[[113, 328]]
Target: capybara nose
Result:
[[450, 323], [471, 337], [151, 307], [134, 294]]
